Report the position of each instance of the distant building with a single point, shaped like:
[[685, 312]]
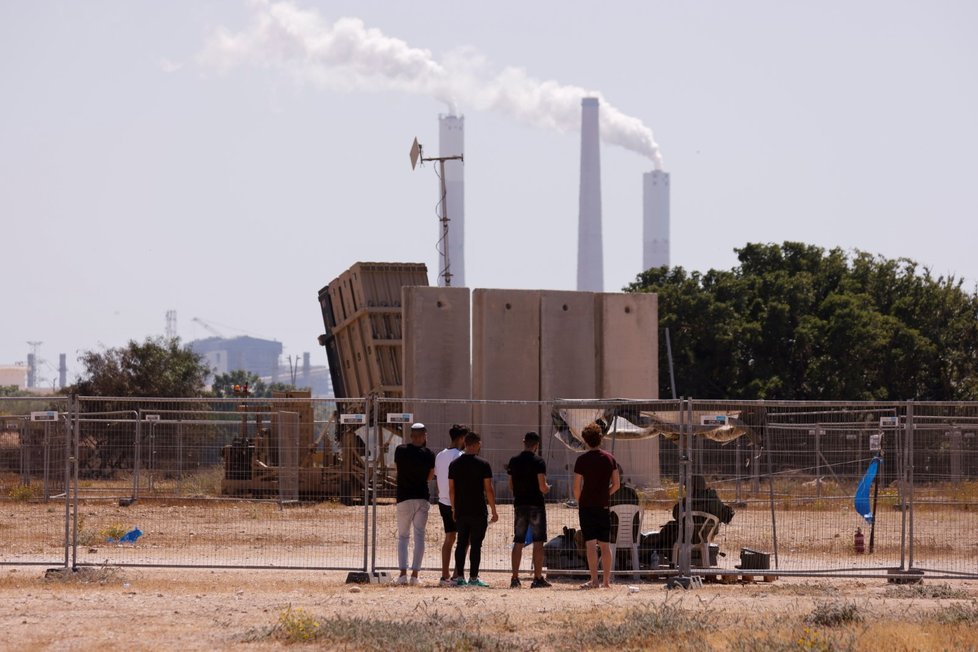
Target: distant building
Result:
[[13, 375], [250, 354]]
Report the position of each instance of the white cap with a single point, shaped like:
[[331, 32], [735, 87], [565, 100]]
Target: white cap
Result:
[[418, 426]]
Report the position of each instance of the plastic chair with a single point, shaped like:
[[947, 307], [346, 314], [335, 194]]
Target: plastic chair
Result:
[[705, 528], [627, 534]]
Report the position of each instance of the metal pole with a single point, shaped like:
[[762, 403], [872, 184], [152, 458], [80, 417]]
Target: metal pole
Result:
[[446, 265], [910, 478], [136, 454], [672, 374], [685, 556], [770, 484], [367, 511], [47, 460], [74, 489], [73, 414], [818, 463]]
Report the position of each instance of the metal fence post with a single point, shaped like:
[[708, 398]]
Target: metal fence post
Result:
[[909, 468], [369, 469]]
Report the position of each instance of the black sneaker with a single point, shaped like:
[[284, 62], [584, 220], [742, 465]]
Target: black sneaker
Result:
[[515, 583], [540, 583]]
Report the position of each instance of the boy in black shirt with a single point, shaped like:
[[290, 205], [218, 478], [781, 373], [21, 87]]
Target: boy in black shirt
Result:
[[470, 487], [528, 482]]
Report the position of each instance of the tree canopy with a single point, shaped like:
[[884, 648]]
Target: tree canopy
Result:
[[223, 385], [157, 367], [795, 321]]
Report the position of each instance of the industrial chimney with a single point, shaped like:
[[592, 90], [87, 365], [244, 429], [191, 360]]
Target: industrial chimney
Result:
[[451, 142], [655, 219], [590, 263]]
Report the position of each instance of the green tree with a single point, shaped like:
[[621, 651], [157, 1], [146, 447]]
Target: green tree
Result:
[[795, 321], [223, 385], [157, 367]]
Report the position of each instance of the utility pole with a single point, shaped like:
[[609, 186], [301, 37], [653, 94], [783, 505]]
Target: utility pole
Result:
[[416, 156]]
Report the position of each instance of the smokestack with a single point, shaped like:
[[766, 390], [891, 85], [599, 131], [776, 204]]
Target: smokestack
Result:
[[590, 263], [655, 219], [451, 142], [31, 370], [62, 370]]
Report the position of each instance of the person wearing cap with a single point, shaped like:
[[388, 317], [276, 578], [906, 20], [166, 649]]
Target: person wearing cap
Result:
[[442, 462], [470, 488], [415, 468], [528, 482], [596, 478]]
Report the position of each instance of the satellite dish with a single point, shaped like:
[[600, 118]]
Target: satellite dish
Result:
[[415, 153]]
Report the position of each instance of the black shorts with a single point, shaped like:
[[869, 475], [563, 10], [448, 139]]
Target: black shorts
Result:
[[595, 523], [532, 518], [446, 518]]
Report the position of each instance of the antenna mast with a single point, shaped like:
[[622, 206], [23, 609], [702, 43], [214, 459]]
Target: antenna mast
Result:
[[416, 156]]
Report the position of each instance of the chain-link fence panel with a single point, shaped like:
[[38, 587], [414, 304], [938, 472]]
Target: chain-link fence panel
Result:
[[34, 435], [243, 482], [825, 493], [945, 488]]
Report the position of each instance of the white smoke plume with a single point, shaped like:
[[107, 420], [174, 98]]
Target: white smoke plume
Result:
[[348, 56]]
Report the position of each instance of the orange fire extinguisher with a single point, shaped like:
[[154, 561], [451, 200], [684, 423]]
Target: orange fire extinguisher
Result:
[[859, 542]]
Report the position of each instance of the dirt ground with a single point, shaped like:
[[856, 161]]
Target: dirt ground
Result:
[[151, 609], [112, 604]]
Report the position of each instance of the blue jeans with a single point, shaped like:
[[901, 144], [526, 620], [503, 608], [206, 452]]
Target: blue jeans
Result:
[[411, 515]]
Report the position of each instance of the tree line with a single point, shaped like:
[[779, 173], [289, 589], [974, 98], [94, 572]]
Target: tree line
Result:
[[799, 322], [161, 368]]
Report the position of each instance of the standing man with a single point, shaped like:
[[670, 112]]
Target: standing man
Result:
[[528, 482], [415, 468], [442, 461], [470, 487], [595, 479]]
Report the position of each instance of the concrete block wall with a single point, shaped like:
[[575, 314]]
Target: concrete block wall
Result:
[[628, 349], [532, 345], [437, 356], [505, 367]]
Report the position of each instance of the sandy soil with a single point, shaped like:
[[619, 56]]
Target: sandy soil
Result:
[[143, 609]]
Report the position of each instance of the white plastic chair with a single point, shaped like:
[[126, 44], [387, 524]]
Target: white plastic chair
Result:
[[628, 533], [702, 533]]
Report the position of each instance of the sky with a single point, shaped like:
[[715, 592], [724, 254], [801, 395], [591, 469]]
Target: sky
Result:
[[227, 159]]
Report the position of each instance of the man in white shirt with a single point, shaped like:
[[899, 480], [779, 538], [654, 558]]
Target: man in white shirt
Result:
[[442, 462]]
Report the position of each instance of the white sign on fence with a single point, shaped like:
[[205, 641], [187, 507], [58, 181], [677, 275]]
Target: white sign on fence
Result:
[[714, 420], [46, 415], [151, 417], [356, 419], [400, 417], [889, 422], [875, 442]]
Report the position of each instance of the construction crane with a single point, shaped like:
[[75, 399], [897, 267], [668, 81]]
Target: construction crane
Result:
[[210, 329]]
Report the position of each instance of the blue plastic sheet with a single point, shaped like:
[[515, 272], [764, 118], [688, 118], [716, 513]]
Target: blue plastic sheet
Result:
[[861, 500]]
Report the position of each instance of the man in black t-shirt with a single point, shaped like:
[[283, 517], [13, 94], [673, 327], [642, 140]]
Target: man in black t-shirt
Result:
[[528, 482], [415, 468], [469, 488]]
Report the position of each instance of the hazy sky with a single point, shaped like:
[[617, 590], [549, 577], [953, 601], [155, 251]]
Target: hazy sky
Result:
[[226, 159]]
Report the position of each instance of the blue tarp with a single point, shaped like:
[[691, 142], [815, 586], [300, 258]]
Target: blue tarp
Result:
[[861, 500]]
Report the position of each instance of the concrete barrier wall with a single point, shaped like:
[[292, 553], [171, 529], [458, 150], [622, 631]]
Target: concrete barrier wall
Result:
[[629, 354], [437, 358], [505, 366]]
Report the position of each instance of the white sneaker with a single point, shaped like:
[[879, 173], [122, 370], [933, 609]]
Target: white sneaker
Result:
[[413, 581], [401, 579]]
